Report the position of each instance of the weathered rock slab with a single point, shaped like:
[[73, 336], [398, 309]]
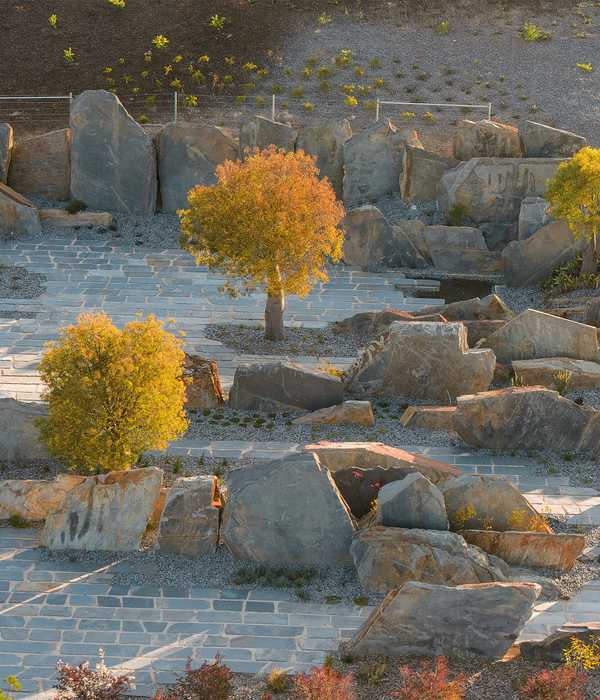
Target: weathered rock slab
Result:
[[490, 308], [326, 142], [532, 216], [204, 385], [412, 502], [347, 413], [545, 372], [536, 334], [421, 174], [189, 524], [62, 218], [527, 418], [461, 249], [537, 549], [20, 434], [476, 501], [109, 512], [283, 386], [260, 132], [368, 240], [33, 499], [542, 141], [429, 417], [485, 139], [287, 511], [113, 161], [424, 619], [6, 149], [18, 216], [41, 165], [188, 155]]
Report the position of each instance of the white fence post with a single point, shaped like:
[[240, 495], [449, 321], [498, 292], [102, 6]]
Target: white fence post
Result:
[[377, 111], [175, 101], [273, 107]]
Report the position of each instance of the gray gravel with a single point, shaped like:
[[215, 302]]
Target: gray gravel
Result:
[[19, 283]]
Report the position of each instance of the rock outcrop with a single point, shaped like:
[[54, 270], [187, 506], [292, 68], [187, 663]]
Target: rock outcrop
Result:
[[41, 165]]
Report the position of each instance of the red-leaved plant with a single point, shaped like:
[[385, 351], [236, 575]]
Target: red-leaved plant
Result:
[[85, 683], [324, 683], [555, 684], [430, 682], [212, 681]]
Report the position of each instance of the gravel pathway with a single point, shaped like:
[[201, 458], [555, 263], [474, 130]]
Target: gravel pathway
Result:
[[18, 283]]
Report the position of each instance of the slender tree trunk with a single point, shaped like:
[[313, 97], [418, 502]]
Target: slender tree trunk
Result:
[[274, 328], [589, 262]]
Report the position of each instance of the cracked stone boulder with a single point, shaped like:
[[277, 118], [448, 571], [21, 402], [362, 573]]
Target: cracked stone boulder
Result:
[[368, 240], [188, 155], [6, 149], [18, 216], [461, 249], [527, 418], [33, 499], [423, 619], [546, 372], [388, 557], [412, 502], [536, 334], [113, 161], [533, 259], [479, 501], [532, 216], [41, 165], [109, 512], [537, 549], [490, 308], [326, 142], [287, 511], [423, 361], [485, 139], [492, 189], [20, 434], [542, 141], [371, 323], [347, 413], [260, 132], [373, 162], [552, 648], [189, 524], [421, 174], [203, 389], [283, 386]]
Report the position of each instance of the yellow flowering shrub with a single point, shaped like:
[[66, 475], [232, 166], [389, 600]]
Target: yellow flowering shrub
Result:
[[112, 394]]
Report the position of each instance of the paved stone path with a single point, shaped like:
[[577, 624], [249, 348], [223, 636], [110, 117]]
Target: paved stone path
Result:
[[124, 281], [68, 610]]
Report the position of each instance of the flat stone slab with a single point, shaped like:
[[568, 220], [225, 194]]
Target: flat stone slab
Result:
[[62, 218], [429, 417], [545, 371]]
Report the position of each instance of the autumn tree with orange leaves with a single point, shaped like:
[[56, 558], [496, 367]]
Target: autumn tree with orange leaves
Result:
[[269, 220]]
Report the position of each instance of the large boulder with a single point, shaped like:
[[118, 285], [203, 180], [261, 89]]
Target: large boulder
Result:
[[492, 189], [490, 308], [260, 132], [485, 139], [429, 417], [18, 216], [533, 214], [282, 387], [552, 648], [422, 619], [477, 501], [537, 549], [527, 418], [189, 524], [534, 334], [542, 141], [188, 154], [373, 323], [41, 165], [421, 173], [533, 259], [347, 413], [203, 388], [412, 502], [109, 512], [287, 511], [33, 499], [423, 361], [6, 149], [388, 557], [20, 434], [368, 240], [326, 142], [409, 246], [461, 249], [113, 162], [373, 162], [549, 371]]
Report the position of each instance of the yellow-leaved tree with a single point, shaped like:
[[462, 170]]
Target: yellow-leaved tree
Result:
[[270, 221], [574, 197], [112, 394]]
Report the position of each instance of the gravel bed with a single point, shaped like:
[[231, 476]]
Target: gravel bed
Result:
[[584, 571], [19, 283], [395, 209], [519, 299]]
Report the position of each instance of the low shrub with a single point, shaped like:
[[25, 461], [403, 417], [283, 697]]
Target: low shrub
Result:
[[430, 682], [324, 684], [212, 681], [555, 684], [85, 683], [13, 685], [278, 681], [583, 655]]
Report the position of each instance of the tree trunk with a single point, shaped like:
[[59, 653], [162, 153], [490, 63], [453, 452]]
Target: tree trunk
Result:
[[274, 328], [589, 261]]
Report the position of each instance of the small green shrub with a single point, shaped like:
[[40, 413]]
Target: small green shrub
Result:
[[531, 32], [75, 206], [554, 684], [457, 214]]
